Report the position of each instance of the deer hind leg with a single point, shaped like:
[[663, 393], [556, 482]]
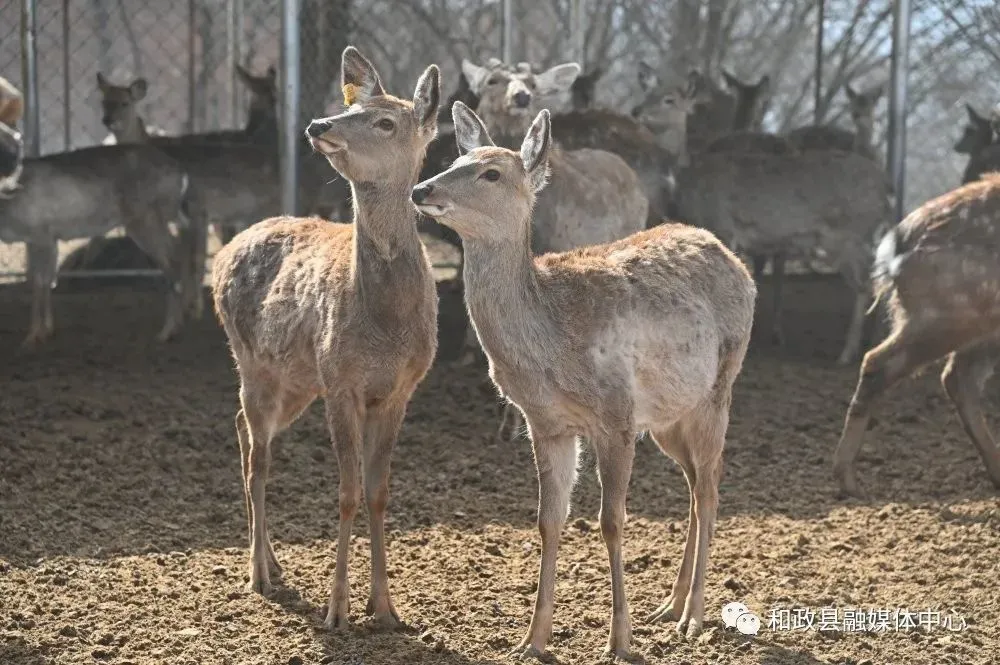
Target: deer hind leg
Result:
[[696, 443], [344, 413], [777, 298], [42, 266], [963, 378], [671, 443], [193, 247], [555, 460], [906, 350], [614, 468], [153, 237], [381, 431]]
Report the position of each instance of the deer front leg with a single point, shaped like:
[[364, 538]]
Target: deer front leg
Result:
[[343, 419], [555, 460], [42, 259], [381, 431]]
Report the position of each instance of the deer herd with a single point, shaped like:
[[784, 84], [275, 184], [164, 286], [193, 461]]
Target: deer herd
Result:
[[599, 320]]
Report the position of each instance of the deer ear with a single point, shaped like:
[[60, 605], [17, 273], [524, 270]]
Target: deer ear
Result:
[[646, 76], [852, 94], [731, 80], [974, 117], [102, 83], [427, 96], [137, 89], [557, 79], [360, 80], [470, 132], [272, 73], [535, 150], [243, 74], [764, 85], [475, 75]]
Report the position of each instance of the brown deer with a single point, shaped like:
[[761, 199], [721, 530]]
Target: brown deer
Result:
[[645, 333], [766, 204], [938, 272], [346, 312], [88, 192], [593, 197]]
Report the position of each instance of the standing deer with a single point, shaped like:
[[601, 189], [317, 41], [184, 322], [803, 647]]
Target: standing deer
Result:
[[645, 333], [793, 204], [593, 197], [938, 270], [346, 312], [88, 192]]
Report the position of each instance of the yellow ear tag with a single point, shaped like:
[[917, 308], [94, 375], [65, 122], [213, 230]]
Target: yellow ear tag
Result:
[[350, 94]]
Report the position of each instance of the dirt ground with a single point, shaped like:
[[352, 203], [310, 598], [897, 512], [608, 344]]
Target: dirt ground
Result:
[[123, 536]]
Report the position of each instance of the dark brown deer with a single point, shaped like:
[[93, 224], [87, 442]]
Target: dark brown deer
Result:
[[345, 312], [938, 272], [981, 142], [600, 343]]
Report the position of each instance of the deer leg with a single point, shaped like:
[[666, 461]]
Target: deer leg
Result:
[[614, 468], [243, 434], [673, 607], [555, 460], [260, 402], [777, 284], [702, 439], [42, 258], [343, 417], [381, 432], [759, 262], [855, 330], [194, 235], [153, 237], [901, 354], [963, 378]]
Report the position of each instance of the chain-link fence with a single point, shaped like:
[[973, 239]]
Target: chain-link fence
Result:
[[187, 50]]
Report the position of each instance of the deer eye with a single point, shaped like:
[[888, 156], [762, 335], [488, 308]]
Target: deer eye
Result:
[[386, 124], [491, 174], [494, 80]]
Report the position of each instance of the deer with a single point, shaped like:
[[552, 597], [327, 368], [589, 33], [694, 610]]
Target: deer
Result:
[[937, 271], [236, 181], [644, 333], [88, 192], [11, 104], [345, 312], [862, 105], [981, 143], [766, 204], [594, 195], [11, 157]]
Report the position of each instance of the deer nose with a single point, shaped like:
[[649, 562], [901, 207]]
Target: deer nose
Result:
[[522, 99], [317, 128], [420, 193]]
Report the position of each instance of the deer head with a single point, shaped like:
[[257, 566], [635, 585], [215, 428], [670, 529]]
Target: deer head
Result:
[[379, 137], [489, 191], [119, 108], [509, 97]]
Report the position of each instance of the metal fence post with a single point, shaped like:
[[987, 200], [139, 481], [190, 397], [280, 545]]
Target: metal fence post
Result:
[[192, 85], [67, 88], [507, 43], [818, 62], [29, 76], [897, 101], [290, 89], [234, 51]]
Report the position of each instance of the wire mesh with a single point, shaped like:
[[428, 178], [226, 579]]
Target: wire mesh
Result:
[[185, 50]]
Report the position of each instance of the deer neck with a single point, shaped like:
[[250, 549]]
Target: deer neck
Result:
[[134, 131], [261, 123], [864, 139], [385, 224], [505, 300]]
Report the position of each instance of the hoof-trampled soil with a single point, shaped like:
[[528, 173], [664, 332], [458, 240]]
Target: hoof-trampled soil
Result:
[[123, 535]]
